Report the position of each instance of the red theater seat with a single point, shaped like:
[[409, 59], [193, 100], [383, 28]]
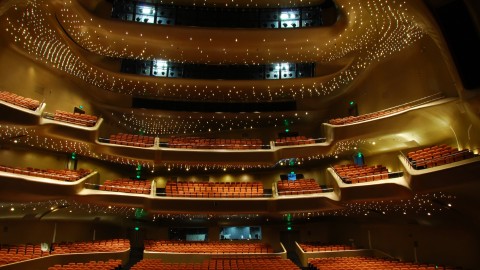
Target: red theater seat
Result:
[[17, 100], [436, 155]]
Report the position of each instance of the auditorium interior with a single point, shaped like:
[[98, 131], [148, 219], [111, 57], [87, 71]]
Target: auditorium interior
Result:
[[239, 134]]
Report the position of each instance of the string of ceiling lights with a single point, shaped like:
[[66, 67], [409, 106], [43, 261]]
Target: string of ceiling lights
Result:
[[375, 29]]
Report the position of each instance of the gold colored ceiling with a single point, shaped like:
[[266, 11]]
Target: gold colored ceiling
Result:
[[366, 32]]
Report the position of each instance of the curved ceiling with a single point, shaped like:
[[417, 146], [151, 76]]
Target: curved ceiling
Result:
[[366, 33]]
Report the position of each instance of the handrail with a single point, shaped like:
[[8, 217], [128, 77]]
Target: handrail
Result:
[[315, 191], [439, 94], [221, 146], [223, 195], [358, 118]]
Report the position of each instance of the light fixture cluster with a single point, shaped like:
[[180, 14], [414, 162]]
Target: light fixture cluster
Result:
[[15, 134], [375, 30], [62, 208], [29, 137], [421, 205], [167, 123], [339, 150]]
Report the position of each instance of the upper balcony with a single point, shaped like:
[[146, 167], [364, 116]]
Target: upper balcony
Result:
[[322, 14], [71, 38]]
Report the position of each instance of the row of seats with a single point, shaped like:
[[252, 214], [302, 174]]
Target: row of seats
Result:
[[206, 143], [318, 247], [15, 99], [437, 155], [299, 186], [294, 140], [111, 245], [16, 253], [62, 175], [214, 189], [364, 117], [97, 265], [132, 140], [364, 263], [127, 185], [75, 118], [249, 263], [206, 247], [352, 173]]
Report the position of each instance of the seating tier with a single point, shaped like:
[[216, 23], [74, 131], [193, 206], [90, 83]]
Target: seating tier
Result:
[[437, 155], [214, 189], [206, 247], [317, 247], [62, 175], [296, 140], [127, 185], [364, 117], [247, 263], [363, 263], [75, 118], [16, 253], [299, 186], [209, 143], [112, 245], [17, 100], [132, 140], [352, 174], [97, 265]]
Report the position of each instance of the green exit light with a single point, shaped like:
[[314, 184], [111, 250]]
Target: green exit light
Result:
[[138, 174], [80, 107], [289, 228], [287, 130], [351, 103], [74, 155], [137, 228]]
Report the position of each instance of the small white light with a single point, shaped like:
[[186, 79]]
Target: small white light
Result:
[[284, 16]]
